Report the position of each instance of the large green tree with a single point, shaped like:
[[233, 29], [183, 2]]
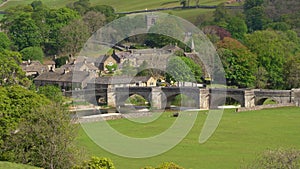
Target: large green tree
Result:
[[32, 53], [73, 36], [10, 70], [24, 32], [35, 131], [238, 62], [272, 49]]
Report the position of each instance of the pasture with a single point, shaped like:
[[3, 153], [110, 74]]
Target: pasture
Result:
[[239, 138], [126, 5]]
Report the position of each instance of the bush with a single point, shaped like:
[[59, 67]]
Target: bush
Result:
[[165, 165], [96, 163], [279, 159]]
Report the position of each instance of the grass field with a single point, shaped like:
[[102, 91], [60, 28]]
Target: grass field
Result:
[[126, 5], [8, 165], [238, 139], [120, 6]]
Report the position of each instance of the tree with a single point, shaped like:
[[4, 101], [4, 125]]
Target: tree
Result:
[[16, 103], [183, 3], [56, 19], [255, 18], [10, 70], [255, 15], [143, 69], [61, 61], [24, 32], [94, 20], [178, 70], [44, 138], [238, 62], [291, 72], [73, 36], [32, 53], [272, 49], [221, 15], [4, 41], [128, 69], [252, 3], [237, 28], [107, 10], [53, 93]]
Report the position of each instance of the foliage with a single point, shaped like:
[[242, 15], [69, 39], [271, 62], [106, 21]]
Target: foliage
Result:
[[32, 53], [221, 15], [23, 31], [44, 138], [53, 93], [291, 72], [96, 163], [136, 100], [61, 61], [94, 20], [178, 70], [237, 28], [238, 62], [111, 68], [278, 158], [107, 10], [143, 69], [4, 41], [255, 15], [272, 49], [73, 36], [128, 69], [165, 165], [10, 71], [16, 104], [81, 6], [215, 32]]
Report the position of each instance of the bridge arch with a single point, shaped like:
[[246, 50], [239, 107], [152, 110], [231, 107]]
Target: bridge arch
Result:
[[261, 101], [228, 100], [181, 100]]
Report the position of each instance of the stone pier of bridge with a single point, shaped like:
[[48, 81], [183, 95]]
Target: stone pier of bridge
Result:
[[160, 97]]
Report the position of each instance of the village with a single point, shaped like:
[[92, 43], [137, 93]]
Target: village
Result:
[[78, 72]]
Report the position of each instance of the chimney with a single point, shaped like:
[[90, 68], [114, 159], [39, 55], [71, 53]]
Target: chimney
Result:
[[66, 71]]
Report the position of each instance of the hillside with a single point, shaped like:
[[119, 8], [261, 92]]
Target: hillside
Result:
[[125, 6], [120, 6]]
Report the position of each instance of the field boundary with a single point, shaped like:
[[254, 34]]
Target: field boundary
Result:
[[179, 7]]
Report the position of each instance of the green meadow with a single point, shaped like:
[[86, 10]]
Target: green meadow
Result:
[[132, 5], [239, 138]]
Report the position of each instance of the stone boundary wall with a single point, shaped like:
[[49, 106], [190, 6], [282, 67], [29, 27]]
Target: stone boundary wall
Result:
[[241, 109]]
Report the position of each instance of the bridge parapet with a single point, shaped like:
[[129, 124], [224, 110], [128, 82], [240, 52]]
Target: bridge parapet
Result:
[[295, 96]]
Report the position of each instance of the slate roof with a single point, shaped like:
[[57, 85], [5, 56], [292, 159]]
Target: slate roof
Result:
[[34, 66], [60, 76], [119, 79]]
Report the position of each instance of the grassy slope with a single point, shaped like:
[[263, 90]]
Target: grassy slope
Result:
[[240, 137], [9, 165], [130, 5]]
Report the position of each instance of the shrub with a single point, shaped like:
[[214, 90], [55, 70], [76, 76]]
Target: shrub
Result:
[[165, 165], [96, 163], [279, 159]]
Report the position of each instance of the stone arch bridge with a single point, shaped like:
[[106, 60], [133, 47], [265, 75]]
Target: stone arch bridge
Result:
[[161, 97]]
